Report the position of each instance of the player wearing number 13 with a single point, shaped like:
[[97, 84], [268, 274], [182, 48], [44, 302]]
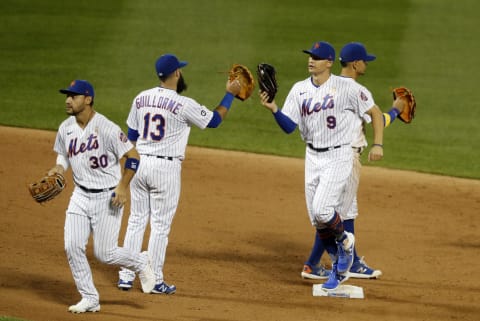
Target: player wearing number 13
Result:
[[159, 123], [324, 107]]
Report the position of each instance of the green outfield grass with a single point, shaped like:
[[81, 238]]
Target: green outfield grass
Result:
[[428, 45]]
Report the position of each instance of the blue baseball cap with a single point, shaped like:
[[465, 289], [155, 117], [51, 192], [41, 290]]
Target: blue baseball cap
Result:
[[79, 87], [355, 51], [322, 50], [167, 64]]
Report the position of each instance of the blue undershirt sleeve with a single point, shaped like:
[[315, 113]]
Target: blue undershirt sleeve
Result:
[[132, 134], [215, 121], [284, 122]]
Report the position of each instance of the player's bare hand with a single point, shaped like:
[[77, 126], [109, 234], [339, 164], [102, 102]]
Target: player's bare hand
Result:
[[233, 86], [264, 101], [400, 103], [119, 196], [376, 153], [56, 169]]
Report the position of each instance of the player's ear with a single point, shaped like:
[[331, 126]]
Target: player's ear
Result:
[[88, 100]]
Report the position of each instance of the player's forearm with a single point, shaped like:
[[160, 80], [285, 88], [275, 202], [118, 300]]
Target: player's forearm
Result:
[[284, 122], [126, 177], [131, 166], [221, 111], [378, 125]]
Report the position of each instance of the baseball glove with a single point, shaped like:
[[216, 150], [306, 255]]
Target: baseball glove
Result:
[[408, 113], [266, 80], [47, 188], [244, 76]]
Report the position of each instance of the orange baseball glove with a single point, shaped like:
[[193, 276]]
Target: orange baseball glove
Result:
[[408, 113], [245, 77]]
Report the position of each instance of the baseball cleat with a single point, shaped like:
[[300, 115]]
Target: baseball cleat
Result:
[[315, 273], [164, 288], [335, 279], [147, 278], [360, 270], [84, 306], [345, 253], [124, 285]]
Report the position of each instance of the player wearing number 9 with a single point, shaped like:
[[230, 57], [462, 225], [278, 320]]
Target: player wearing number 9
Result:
[[324, 107], [159, 125]]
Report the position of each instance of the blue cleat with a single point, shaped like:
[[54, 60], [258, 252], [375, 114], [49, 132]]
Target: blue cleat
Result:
[[334, 279], [360, 270], [164, 288]]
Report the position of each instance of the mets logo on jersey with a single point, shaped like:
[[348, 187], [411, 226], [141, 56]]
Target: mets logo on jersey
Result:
[[76, 147], [123, 137], [363, 96], [308, 108]]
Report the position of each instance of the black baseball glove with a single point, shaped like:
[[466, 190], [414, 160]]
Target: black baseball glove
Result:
[[267, 81]]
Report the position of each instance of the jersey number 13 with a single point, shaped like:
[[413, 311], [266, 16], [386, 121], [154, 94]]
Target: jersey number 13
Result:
[[156, 123]]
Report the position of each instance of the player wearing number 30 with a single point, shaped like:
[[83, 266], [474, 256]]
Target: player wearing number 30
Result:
[[92, 146], [159, 123]]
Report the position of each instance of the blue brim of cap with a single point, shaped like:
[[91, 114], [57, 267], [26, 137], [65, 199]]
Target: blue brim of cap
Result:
[[370, 58], [182, 64]]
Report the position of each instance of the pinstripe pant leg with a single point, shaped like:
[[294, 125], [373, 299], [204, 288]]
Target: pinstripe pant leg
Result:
[[348, 207], [106, 227], [164, 202], [77, 232], [139, 216]]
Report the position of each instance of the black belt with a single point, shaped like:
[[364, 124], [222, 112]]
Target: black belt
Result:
[[93, 190], [170, 158], [321, 150]]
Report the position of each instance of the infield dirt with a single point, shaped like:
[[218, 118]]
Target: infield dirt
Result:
[[239, 240]]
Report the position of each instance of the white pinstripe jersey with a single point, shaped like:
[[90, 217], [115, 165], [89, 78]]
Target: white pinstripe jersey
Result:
[[93, 152], [359, 139], [325, 114], [163, 119]]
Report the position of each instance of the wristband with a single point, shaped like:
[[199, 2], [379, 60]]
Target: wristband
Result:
[[380, 145], [227, 100], [389, 117], [132, 163]]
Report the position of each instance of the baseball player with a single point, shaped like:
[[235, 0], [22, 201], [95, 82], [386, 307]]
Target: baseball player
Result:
[[324, 107], [159, 123], [354, 59], [93, 145]]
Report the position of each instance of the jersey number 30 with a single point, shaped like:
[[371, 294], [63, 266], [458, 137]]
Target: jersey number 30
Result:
[[157, 123]]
